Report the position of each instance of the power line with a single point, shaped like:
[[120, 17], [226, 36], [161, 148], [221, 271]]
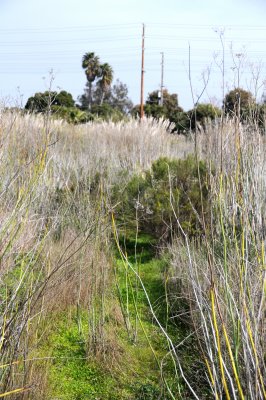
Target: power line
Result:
[[68, 29], [209, 26], [93, 27], [108, 38]]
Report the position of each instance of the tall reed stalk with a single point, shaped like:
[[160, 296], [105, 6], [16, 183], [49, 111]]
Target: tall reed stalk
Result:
[[224, 274]]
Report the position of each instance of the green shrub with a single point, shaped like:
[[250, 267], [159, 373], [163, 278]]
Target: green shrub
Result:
[[106, 112], [203, 113], [41, 102], [72, 115], [167, 197], [147, 392]]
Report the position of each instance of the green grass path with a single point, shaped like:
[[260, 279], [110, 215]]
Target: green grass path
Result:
[[141, 362]]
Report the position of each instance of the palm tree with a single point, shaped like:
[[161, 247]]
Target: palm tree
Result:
[[107, 75], [91, 64]]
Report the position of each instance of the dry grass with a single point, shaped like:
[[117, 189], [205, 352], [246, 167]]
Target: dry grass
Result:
[[223, 278], [54, 225], [55, 230]]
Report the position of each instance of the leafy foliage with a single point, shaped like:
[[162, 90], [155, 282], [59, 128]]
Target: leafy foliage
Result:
[[147, 392], [41, 102], [238, 101], [72, 115], [95, 71], [169, 110], [107, 112], [202, 113], [169, 194], [170, 101], [106, 79], [91, 64], [116, 97], [155, 109], [184, 121]]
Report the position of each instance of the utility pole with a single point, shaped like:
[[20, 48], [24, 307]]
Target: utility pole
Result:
[[162, 74], [142, 74]]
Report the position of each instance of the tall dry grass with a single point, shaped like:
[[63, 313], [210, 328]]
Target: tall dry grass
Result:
[[55, 242], [223, 278], [54, 212]]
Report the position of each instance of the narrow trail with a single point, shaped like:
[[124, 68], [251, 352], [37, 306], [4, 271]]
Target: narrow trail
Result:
[[141, 365]]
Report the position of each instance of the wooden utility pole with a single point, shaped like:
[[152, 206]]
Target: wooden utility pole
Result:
[[142, 74], [162, 74]]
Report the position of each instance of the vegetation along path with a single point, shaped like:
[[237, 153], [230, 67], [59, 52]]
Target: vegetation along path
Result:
[[137, 362]]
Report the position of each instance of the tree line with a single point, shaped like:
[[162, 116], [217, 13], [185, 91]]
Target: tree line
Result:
[[104, 99]]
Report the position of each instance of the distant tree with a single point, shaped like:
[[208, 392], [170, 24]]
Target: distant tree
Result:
[[106, 79], [238, 101], [170, 101], [153, 98], [101, 74], [155, 109], [169, 110], [115, 96], [96, 93], [106, 112], [101, 97], [41, 102], [181, 121], [118, 97], [91, 64], [64, 99], [202, 113]]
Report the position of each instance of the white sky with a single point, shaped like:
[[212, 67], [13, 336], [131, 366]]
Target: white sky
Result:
[[37, 36]]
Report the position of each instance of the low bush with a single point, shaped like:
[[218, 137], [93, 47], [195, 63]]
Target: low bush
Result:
[[72, 115], [171, 196]]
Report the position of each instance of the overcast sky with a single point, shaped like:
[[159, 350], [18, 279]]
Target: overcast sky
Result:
[[37, 36]]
